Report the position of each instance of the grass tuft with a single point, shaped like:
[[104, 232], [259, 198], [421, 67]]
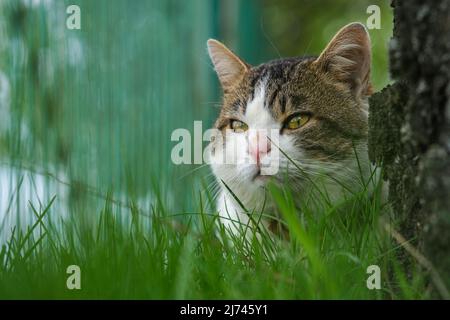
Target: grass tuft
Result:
[[189, 255]]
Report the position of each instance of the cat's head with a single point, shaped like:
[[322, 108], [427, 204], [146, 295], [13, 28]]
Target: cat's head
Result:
[[315, 106]]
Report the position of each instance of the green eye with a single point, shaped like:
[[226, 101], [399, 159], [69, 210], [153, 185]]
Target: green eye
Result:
[[238, 126], [297, 122]]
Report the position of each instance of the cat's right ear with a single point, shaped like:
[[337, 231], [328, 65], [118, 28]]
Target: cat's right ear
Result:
[[348, 57], [229, 67]]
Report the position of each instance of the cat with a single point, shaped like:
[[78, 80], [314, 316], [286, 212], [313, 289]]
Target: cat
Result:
[[318, 105]]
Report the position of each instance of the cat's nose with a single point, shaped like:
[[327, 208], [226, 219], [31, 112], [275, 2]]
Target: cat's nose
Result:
[[259, 145]]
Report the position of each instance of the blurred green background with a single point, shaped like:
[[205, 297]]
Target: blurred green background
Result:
[[90, 112]]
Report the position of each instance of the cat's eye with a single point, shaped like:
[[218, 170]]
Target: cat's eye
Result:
[[297, 121], [238, 126]]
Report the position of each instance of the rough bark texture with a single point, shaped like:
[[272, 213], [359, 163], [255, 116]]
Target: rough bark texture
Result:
[[410, 127]]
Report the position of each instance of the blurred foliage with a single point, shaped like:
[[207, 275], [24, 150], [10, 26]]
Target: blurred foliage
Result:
[[305, 27]]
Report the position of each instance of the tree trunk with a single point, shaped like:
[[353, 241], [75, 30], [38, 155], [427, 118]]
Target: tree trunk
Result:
[[409, 133]]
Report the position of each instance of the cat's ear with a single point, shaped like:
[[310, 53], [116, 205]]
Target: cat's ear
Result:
[[347, 59], [229, 67]]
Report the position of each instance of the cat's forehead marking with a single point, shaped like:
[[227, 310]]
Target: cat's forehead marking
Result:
[[277, 79], [257, 114]]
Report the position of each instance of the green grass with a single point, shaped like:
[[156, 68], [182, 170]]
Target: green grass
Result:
[[168, 255]]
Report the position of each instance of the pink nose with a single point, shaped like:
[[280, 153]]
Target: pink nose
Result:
[[259, 145]]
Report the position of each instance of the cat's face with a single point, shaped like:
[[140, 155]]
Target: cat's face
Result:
[[291, 114]]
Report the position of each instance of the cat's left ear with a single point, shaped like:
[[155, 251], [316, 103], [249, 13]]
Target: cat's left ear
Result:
[[229, 67], [347, 59]]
